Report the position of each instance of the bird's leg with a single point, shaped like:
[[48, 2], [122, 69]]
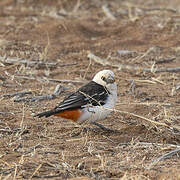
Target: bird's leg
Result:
[[102, 127]]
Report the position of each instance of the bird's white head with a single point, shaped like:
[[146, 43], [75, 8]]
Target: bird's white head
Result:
[[106, 78]]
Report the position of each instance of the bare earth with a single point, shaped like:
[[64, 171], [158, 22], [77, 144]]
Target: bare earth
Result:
[[133, 38]]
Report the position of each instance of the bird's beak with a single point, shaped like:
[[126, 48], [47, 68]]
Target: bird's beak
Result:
[[110, 80]]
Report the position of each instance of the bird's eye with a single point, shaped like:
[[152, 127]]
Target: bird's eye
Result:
[[103, 78]]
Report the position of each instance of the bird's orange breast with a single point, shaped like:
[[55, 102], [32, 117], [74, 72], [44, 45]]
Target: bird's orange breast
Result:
[[70, 114]]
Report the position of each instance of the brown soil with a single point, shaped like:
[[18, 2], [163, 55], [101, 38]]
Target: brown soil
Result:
[[65, 32]]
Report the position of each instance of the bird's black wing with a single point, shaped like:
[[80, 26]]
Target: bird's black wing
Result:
[[92, 93]]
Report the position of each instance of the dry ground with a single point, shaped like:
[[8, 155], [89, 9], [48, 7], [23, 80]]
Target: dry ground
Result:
[[135, 39]]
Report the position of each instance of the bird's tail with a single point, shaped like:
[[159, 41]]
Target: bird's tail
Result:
[[45, 114]]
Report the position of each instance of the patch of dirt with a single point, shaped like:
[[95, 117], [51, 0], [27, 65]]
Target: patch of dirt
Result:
[[140, 40]]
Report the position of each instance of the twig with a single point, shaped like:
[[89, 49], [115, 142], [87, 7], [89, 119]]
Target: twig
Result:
[[149, 120], [36, 98], [37, 63], [67, 81], [124, 52], [158, 144], [7, 113], [131, 14], [97, 59], [162, 60], [49, 152], [7, 171], [157, 80], [176, 69], [147, 104], [165, 156], [15, 172], [76, 7], [150, 144], [51, 80], [144, 118], [108, 13], [177, 87], [132, 88], [17, 94], [150, 50], [36, 170], [33, 149], [48, 176], [27, 62], [142, 81], [16, 130], [58, 90], [159, 9], [6, 130], [104, 62]]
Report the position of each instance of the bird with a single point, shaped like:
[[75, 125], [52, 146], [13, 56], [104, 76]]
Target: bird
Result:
[[92, 102]]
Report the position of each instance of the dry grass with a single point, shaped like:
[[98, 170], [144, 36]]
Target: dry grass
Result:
[[47, 43]]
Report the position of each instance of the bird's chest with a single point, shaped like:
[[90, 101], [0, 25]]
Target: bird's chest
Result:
[[94, 113]]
